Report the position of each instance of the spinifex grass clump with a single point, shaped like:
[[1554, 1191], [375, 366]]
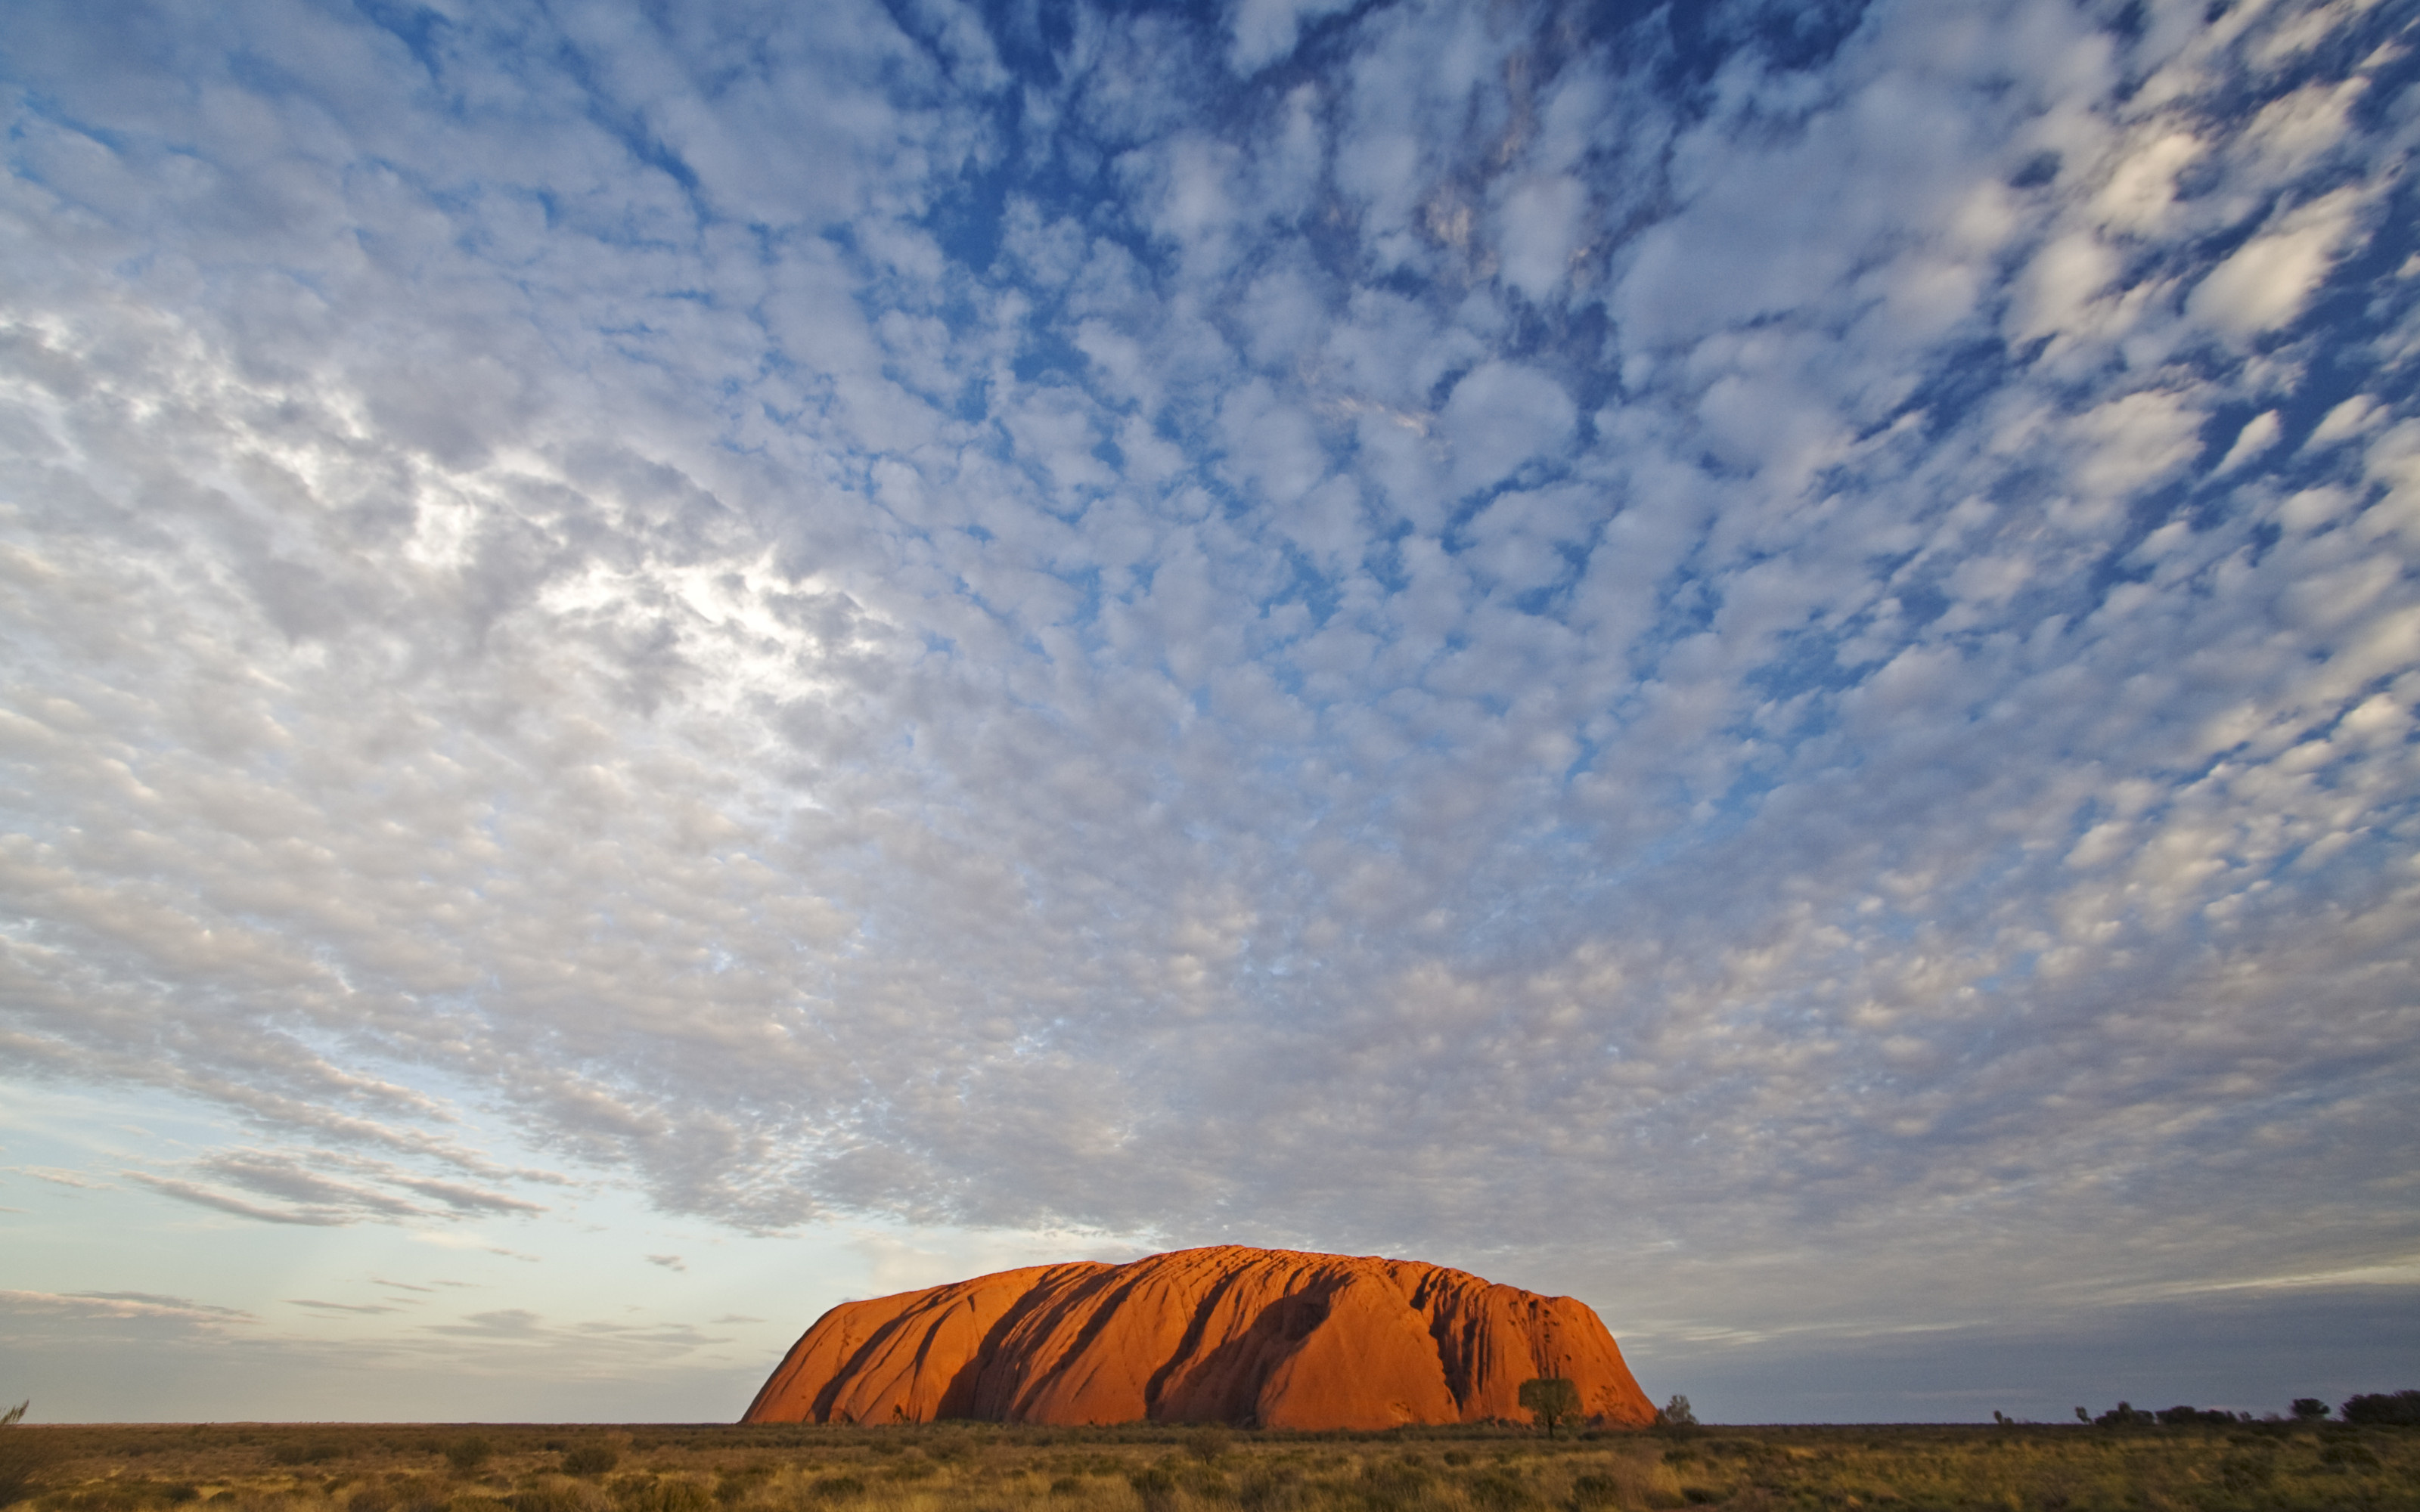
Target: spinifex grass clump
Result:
[[594, 1456], [984, 1468]]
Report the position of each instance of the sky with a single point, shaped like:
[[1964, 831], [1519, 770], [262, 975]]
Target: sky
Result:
[[661, 664]]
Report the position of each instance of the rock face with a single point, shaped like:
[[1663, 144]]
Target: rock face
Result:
[[1272, 1338]]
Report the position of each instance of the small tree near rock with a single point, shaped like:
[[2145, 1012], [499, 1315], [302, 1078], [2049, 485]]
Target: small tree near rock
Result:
[[1550, 1399], [1208, 1443]]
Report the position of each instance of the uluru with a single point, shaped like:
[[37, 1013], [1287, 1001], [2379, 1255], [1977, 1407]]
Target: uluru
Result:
[[1252, 1337]]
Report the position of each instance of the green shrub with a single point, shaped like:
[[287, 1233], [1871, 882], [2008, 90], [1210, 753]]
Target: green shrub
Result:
[[1156, 1488], [552, 1496], [1208, 1444], [2348, 1455], [1269, 1490], [2247, 1472], [736, 1483], [836, 1488], [1394, 1481], [589, 1458], [467, 1453], [1594, 1491], [1499, 1491], [672, 1493]]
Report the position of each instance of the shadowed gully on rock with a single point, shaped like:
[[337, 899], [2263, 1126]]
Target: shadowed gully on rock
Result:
[[1271, 1338]]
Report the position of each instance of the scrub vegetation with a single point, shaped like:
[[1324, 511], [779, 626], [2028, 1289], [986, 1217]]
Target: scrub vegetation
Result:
[[984, 1467]]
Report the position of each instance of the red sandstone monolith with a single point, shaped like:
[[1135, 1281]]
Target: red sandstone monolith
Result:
[[1256, 1337]]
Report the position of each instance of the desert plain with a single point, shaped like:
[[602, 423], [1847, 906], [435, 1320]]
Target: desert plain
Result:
[[986, 1466]]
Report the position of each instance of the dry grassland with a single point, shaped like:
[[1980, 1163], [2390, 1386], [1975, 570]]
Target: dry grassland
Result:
[[982, 1467]]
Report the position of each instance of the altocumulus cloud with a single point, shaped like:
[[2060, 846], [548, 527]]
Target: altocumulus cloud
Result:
[[1770, 650]]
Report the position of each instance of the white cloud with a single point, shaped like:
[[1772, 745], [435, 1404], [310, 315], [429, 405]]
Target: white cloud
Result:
[[1539, 228], [2258, 434], [2347, 420], [1264, 30], [1500, 416], [2265, 282]]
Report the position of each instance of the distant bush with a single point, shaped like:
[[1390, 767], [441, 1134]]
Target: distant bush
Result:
[[1397, 1477], [736, 1483], [2247, 1472], [1156, 1488], [553, 1496], [2347, 1455], [2400, 1409], [670, 1494], [1499, 1491], [1269, 1489], [836, 1488], [2309, 1409], [2125, 1414], [589, 1458], [2180, 1416], [467, 1453], [305, 1453]]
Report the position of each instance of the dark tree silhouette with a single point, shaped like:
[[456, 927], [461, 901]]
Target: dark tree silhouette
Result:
[[2400, 1409], [1550, 1399]]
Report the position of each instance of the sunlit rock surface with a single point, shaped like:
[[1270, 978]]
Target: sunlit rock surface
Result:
[[1251, 1336]]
